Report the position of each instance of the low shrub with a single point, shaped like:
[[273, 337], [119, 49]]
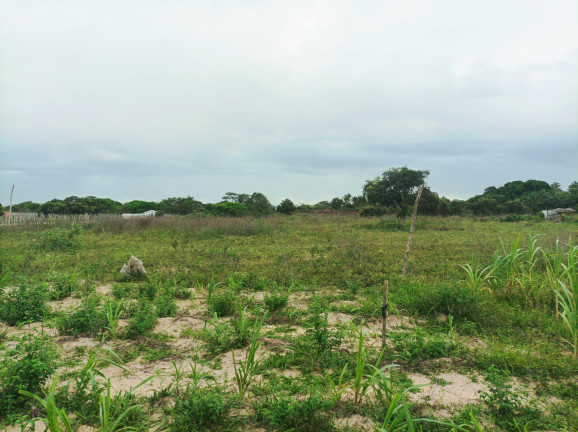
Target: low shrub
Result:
[[276, 302], [89, 319], [60, 239], [25, 367], [24, 303], [166, 306], [63, 285], [201, 409], [144, 319], [286, 413], [223, 303]]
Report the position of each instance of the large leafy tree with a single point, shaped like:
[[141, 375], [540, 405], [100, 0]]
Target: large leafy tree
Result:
[[397, 187]]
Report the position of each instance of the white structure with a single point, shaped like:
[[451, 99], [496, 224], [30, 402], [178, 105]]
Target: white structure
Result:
[[556, 214], [138, 215]]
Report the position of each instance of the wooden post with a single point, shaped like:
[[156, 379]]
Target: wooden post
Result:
[[411, 229], [10, 211], [384, 308]]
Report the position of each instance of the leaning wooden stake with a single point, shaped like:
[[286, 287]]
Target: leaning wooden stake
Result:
[[384, 308], [413, 218], [10, 211]]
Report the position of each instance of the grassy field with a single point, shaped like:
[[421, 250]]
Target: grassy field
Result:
[[275, 324]]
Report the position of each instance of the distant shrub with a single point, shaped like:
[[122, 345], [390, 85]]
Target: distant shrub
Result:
[[223, 303], [89, 319], [373, 210], [24, 303], [25, 367], [60, 239], [144, 319]]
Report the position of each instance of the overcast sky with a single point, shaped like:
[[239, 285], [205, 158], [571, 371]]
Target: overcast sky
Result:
[[148, 99]]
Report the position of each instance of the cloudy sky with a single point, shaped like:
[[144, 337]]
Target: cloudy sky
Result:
[[148, 99]]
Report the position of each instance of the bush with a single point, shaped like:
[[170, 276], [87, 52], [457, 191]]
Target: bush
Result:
[[89, 319], [223, 303], [201, 409], [373, 210], [25, 303], [63, 286], [276, 302], [144, 319], [25, 367], [444, 298], [148, 290], [285, 413], [166, 306], [417, 345], [60, 239]]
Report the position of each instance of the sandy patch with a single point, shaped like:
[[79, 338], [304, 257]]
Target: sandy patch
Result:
[[460, 391], [334, 318], [355, 422], [175, 326], [64, 305], [104, 290]]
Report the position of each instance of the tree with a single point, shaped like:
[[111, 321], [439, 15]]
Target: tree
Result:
[[396, 187], [257, 203], [286, 207]]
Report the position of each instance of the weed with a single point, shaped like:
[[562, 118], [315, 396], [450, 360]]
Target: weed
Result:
[[144, 319], [568, 302], [223, 303], [166, 306], [26, 367], [201, 409], [63, 286], [113, 313], [286, 413], [245, 370], [24, 303], [89, 319]]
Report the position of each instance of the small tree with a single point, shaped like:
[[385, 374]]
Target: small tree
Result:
[[396, 187], [286, 207]]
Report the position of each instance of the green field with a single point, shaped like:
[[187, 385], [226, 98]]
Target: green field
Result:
[[275, 324]]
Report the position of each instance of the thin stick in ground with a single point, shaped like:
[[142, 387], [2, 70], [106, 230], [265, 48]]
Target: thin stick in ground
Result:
[[411, 230]]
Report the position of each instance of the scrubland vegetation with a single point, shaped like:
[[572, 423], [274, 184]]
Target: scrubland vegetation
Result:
[[275, 324]]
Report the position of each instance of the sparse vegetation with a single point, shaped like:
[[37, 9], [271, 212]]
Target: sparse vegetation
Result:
[[257, 327]]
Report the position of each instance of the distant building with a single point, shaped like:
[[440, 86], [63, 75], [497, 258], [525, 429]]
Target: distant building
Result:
[[556, 214], [138, 215]]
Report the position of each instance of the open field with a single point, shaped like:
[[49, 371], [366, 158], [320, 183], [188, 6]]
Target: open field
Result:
[[275, 324]]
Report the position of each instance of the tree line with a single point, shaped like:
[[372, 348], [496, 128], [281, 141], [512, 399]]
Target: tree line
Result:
[[393, 192]]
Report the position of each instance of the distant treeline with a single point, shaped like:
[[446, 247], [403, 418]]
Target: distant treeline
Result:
[[517, 197]]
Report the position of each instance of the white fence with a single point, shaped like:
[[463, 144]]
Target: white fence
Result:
[[32, 218]]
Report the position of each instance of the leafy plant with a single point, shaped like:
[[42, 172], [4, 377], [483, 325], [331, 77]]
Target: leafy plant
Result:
[[201, 409], [223, 303], [568, 302], [286, 413], [245, 370], [54, 417], [144, 319], [24, 303], [113, 313], [166, 306], [26, 367], [89, 319]]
